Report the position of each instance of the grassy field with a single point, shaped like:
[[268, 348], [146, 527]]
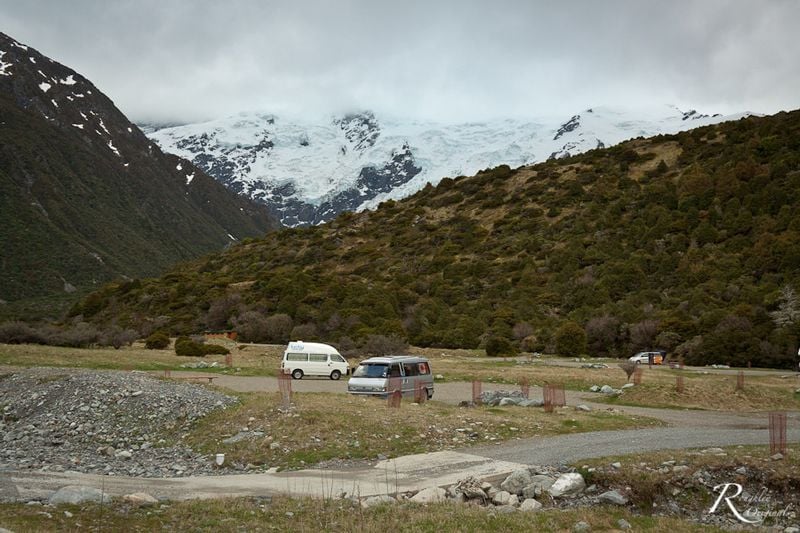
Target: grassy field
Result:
[[301, 515], [319, 428], [702, 390]]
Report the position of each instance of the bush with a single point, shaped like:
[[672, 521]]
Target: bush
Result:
[[157, 341], [187, 347], [379, 345], [18, 333], [629, 367], [570, 339], [499, 347]]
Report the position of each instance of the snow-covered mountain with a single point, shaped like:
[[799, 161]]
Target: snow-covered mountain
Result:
[[307, 172]]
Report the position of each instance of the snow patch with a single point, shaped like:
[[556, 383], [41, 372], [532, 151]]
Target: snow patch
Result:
[[112, 147], [232, 237], [44, 86], [179, 167], [22, 46], [33, 60], [79, 126], [54, 102], [189, 178], [4, 66], [67, 81]]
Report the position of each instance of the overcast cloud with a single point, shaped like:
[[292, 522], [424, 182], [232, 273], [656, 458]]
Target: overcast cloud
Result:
[[182, 60]]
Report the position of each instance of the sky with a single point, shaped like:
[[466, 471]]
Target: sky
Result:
[[442, 60]]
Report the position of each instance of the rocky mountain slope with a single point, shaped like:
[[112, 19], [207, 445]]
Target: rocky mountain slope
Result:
[[307, 172], [84, 195], [688, 242]]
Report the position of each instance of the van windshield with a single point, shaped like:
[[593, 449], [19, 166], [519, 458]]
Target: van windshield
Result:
[[371, 371]]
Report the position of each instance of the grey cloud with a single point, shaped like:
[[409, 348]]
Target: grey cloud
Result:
[[449, 60]]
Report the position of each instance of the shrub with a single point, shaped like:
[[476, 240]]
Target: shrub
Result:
[[17, 333], [214, 349], [157, 341], [629, 367], [570, 339], [499, 347]]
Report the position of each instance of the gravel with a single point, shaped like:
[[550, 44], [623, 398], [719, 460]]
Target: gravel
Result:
[[102, 422]]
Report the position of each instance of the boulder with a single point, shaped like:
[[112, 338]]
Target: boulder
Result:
[[623, 524], [372, 501], [509, 401], [139, 499], [567, 484], [582, 407], [470, 488], [594, 388], [581, 526], [613, 497], [627, 386], [504, 498], [606, 389], [76, 494], [530, 505], [531, 403], [538, 485], [516, 481], [430, 495]]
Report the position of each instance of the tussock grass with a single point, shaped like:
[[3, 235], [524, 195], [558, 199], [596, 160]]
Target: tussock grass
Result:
[[323, 427], [285, 514]]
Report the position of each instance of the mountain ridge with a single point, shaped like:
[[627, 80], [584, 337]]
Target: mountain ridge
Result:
[[308, 171], [87, 197]]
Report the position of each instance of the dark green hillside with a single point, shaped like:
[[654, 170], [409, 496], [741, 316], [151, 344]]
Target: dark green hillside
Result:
[[84, 196], [688, 242]]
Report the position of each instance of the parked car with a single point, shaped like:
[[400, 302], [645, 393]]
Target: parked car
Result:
[[651, 358], [380, 376], [313, 359]]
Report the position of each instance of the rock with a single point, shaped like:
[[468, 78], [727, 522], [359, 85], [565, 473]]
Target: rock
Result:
[[581, 526], [680, 469], [594, 388], [470, 488], [531, 403], [516, 481], [623, 524], [616, 465], [583, 407], [438, 377], [777, 457], [538, 486], [430, 495], [372, 501], [742, 470], [4, 530], [530, 505], [124, 454], [614, 497], [605, 389], [713, 450], [76, 494], [627, 386], [791, 529], [567, 484], [505, 498], [275, 446], [508, 401], [139, 499]]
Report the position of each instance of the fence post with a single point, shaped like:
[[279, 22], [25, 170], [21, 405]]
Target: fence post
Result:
[[777, 433], [285, 389], [679, 383], [637, 376], [394, 394], [525, 387], [740, 380], [476, 391]]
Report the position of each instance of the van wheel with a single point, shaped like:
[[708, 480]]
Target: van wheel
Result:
[[335, 375], [297, 374], [429, 393]]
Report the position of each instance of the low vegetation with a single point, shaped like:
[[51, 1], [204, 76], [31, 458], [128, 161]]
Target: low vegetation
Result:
[[688, 242], [319, 428], [286, 514]]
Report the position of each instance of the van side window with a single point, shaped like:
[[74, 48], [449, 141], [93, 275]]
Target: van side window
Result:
[[423, 368], [318, 358], [394, 371], [296, 357], [337, 358], [410, 369]]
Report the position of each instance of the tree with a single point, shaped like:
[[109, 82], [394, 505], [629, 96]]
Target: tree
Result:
[[499, 347], [629, 367], [788, 312], [570, 339], [157, 341]]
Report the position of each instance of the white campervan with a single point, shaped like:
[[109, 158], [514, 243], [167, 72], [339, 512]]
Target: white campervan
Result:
[[313, 359]]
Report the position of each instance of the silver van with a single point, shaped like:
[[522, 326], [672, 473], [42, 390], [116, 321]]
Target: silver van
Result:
[[380, 376]]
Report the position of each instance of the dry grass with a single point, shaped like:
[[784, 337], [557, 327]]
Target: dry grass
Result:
[[322, 427], [286, 514]]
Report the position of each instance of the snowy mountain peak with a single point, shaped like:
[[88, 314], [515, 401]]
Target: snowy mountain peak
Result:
[[308, 171]]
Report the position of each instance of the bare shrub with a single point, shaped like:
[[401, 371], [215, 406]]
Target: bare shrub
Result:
[[629, 367], [379, 345], [643, 334]]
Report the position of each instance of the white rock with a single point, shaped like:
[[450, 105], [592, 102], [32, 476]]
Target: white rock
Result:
[[140, 499], [594, 388], [582, 407], [377, 500], [627, 386], [76, 494], [606, 389], [530, 505], [505, 498], [623, 524], [613, 497], [430, 495], [565, 484]]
